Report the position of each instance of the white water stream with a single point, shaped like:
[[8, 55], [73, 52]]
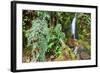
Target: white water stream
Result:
[[73, 26]]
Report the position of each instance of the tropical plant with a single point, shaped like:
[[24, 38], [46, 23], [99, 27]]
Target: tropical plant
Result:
[[37, 37], [55, 34]]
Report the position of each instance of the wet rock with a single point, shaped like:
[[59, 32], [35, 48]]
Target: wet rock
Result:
[[84, 55]]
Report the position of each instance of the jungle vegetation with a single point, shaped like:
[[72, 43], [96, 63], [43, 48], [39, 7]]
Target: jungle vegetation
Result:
[[47, 36]]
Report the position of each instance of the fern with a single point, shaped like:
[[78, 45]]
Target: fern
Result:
[[55, 34], [37, 37]]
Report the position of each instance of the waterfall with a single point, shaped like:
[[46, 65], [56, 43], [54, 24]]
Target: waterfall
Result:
[[73, 26], [74, 34]]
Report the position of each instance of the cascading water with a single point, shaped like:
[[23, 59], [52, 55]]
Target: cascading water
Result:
[[73, 31], [73, 27]]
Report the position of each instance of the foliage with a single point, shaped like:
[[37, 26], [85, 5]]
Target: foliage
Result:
[[55, 34], [65, 18], [37, 37], [84, 24], [43, 15], [47, 35], [84, 30]]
